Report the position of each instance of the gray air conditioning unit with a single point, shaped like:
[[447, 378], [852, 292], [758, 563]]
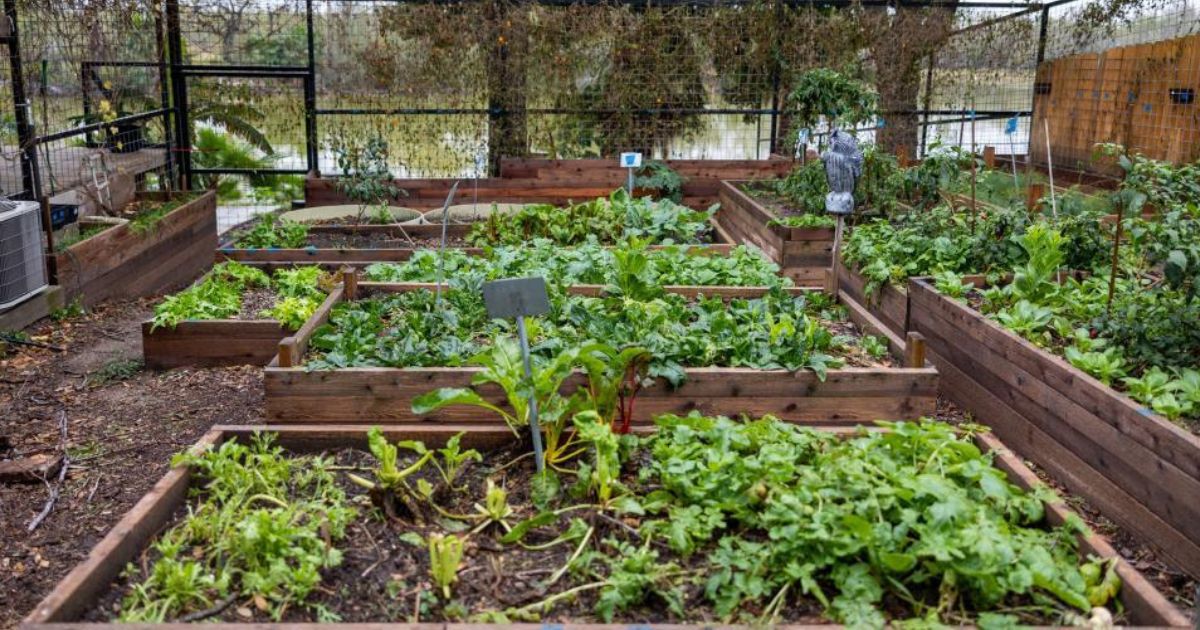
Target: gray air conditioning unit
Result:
[[22, 272]]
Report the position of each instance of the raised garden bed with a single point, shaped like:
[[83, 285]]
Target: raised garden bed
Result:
[[367, 243], [888, 303], [608, 219], [210, 334], [359, 587], [1138, 468], [152, 252], [297, 393], [803, 253]]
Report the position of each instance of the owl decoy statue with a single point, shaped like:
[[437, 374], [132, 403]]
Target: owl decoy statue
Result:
[[843, 166]]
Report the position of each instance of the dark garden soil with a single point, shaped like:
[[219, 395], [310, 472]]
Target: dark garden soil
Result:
[[255, 301], [376, 240], [123, 424], [771, 201]]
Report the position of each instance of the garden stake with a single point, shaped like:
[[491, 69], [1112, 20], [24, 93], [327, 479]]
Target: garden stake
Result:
[[1112, 276], [437, 296], [533, 407], [1010, 130], [974, 171], [519, 297], [1050, 169]]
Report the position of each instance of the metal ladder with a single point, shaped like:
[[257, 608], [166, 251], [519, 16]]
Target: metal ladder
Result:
[[103, 191]]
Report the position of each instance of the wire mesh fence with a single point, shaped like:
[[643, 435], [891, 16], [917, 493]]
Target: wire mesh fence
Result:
[[246, 94]]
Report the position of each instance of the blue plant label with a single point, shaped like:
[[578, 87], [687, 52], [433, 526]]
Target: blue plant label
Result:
[[880, 122], [631, 160], [1010, 127]]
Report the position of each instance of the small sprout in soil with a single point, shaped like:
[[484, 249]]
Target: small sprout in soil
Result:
[[445, 558]]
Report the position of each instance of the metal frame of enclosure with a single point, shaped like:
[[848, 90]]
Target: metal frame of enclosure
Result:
[[174, 74]]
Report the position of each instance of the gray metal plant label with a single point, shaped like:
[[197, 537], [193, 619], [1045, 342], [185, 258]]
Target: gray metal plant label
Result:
[[516, 297]]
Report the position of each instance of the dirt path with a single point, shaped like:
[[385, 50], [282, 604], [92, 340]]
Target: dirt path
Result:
[[123, 425]]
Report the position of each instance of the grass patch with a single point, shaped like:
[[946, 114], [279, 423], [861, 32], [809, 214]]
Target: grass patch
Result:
[[83, 234], [148, 216], [115, 371], [70, 311]]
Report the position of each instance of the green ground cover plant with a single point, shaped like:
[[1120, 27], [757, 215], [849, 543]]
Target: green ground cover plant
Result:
[[414, 328], [271, 231], [609, 220], [298, 293], [590, 263], [941, 239], [705, 520], [150, 213], [261, 528]]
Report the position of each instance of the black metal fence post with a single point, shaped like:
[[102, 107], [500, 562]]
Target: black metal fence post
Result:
[[164, 96], [25, 132], [928, 105], [776, 70], [310, 98], [183, 136]]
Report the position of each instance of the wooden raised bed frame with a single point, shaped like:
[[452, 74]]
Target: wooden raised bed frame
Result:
[[120, 263], [803, 253], [356, 395], [1136, 467], [79, 591], [211, 343], [395, 250]]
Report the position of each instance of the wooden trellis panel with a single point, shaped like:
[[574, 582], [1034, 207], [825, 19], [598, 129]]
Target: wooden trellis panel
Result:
[[1120, 95]]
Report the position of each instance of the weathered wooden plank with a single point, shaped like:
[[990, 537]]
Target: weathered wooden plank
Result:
[[851, 394], [690, 291], [889, 304], [801, 253], [1140, 459], [121, 263], [1160, 485], [1145, 605], [1135, 422], [211, 343]]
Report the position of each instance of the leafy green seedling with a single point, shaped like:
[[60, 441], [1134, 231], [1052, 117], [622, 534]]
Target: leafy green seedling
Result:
[[445, 558]]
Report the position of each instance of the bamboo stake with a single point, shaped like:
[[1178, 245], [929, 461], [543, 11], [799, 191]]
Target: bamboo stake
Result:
[[1050, 168]]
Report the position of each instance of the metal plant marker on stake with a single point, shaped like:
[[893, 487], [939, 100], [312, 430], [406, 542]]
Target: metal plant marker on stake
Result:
[[631, 161], [521, 297], [437, 296], [1010, 130], [843, 166]]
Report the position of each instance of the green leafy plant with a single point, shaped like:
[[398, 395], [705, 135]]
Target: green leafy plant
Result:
[[273, 232], [261, 528], [114, 371], [292, 312], [391, 491], [608, 220], [825, 94], [366, 177], [875, 347], [445, 558], [662, 179]]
